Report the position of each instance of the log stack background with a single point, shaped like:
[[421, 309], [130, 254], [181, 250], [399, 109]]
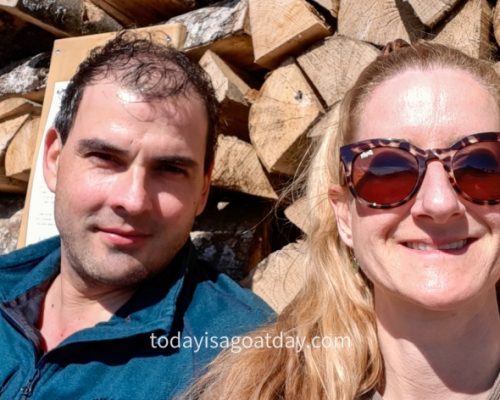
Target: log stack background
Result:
[[280, 69]]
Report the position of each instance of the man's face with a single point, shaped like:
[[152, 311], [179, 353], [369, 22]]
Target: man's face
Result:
[[128, 183]]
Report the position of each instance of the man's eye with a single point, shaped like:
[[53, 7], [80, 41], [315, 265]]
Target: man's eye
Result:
[[102, 158], [173, 169]]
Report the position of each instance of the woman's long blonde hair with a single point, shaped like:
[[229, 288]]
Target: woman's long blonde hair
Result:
[[336, 299]]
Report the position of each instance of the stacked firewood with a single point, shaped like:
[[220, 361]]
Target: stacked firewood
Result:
[[280, 69]]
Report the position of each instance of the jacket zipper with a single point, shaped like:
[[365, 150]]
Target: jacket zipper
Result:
[[27, 390]]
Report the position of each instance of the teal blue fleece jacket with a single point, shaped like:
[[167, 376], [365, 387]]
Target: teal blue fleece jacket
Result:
[[150, 349]]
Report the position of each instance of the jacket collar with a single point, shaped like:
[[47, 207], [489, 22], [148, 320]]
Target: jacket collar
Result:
[[151, 308]]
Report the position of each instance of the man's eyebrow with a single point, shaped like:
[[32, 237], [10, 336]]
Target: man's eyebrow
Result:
[[176, 160], [94, 144]]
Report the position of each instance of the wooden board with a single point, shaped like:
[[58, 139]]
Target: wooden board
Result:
[[281, 28], [144, 12], [67, 54]]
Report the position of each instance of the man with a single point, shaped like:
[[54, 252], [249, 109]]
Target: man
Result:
[[118, 307]]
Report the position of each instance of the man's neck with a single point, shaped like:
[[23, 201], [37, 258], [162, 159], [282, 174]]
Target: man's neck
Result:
[[69, 307], [437, 355]]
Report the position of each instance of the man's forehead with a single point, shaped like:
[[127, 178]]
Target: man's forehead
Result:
[[109, 93]]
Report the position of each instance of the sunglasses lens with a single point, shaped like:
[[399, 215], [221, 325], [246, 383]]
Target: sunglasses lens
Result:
[[384, 175], [477, 170]]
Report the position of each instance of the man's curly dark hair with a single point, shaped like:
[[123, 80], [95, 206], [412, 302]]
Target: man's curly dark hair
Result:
[[144, 65]]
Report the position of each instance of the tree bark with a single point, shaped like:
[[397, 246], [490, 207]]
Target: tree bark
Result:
[[63, 17], [222, 28]]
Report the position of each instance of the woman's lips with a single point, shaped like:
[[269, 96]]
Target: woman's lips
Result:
[[454, 245]]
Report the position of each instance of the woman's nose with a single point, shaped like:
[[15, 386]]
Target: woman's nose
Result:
[[436, 198]]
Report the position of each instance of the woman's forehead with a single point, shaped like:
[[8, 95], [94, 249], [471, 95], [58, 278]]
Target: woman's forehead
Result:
[[433, 107]]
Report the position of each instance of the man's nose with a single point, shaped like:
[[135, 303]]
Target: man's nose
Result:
[[130, 191], [436, 199]]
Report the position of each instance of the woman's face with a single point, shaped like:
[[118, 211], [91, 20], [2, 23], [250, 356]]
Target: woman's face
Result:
[[401, 249]]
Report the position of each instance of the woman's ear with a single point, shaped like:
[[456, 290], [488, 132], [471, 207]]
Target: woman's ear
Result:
[[339, 200], [51, 153]]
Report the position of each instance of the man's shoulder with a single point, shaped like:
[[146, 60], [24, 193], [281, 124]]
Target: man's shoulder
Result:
[[30, 255], [16, 265], [221, 302]]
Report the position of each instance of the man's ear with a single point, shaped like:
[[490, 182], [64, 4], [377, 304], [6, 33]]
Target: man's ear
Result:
[[339, 200], [207, 180], [51, 153]]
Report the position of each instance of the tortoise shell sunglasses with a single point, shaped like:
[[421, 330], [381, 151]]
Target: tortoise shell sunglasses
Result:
[[386, 173]]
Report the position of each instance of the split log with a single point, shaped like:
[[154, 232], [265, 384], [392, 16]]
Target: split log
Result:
[[335, 8], [326, 4], [232, 241], [281, 28], [19, 155], [9, 185], [468, 29], [431, 12], [496, 22], [8, 129], [280, 116], [223, 28], [237, 168], [28, 79], [15, 106], [378, 22], [297, 214], [145, 12], [278, 278], [497, 67], [334, 64], [230, 91], [62, 17], [327, 123]]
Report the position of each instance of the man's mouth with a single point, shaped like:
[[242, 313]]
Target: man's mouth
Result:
[[123, 237]]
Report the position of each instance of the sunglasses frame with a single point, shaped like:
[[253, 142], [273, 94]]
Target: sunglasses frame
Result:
[[348, 154]]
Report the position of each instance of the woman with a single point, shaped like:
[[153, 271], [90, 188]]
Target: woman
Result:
[[404, 254]]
